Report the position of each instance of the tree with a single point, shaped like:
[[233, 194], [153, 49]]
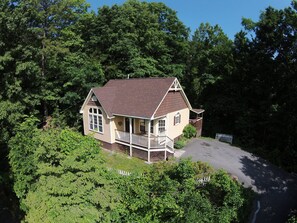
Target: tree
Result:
[[21, 158], [265, 79], [170, 192], [59, 176], [210, 63], [139, 39], [46, 69]]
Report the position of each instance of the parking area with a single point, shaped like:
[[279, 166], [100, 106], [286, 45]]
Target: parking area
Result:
[[276, 189]]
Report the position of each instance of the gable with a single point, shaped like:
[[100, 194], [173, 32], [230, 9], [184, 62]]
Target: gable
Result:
[[93, 101], [173, 101]]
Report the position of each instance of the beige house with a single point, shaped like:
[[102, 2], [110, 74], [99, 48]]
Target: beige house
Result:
[[142, 117]]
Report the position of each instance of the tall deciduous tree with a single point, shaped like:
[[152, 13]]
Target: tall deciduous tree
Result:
[[271, 79], [59, 176], [210, 61], [170, 192], [55, 72], [11, 55], [139, 39], [256, 101]]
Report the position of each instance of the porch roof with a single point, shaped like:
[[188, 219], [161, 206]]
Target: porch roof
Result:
[[197, 110]]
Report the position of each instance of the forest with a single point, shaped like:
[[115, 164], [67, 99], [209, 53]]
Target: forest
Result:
[[53, 51]]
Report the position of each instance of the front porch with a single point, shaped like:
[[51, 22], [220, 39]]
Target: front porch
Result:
[[156, 143], [148, 145]]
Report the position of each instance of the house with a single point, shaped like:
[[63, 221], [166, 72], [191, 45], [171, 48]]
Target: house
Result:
[[142, 117]]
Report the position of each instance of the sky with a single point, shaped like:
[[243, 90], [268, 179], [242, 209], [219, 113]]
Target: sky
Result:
[[226, 13]]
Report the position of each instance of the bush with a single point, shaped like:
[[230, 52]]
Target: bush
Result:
[[292, 217], [170, 192], [189, 131], [180, 143]]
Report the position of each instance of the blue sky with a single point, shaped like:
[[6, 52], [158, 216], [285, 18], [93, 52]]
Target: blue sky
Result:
[[226, 13]]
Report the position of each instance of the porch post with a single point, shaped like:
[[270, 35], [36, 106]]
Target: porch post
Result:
[[130, 135], [149, 142]]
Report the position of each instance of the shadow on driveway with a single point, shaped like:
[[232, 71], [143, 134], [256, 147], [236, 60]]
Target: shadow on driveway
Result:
[[276, 189]]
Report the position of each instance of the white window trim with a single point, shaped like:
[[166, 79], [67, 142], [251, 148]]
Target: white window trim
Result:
[[98, 115], [162, 126], [177, 116]]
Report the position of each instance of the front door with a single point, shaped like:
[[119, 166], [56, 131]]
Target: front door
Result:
[[127, 125]]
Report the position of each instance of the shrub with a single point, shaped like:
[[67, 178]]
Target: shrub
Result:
[[180, 143], [189, 131], [292, 217]]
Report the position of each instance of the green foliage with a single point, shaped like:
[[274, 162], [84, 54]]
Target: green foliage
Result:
[[21, 158], [170, 192], [59, 51], [292, 219], [179, 144], [248, 87], [59, 176], [66, 179], [137, 38], [189, 131], [45, 68], [210, 61]]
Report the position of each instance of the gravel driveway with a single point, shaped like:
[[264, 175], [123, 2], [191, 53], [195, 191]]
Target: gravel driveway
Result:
[[276, 189]]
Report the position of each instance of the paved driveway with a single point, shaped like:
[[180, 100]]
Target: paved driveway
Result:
[[276, 189]]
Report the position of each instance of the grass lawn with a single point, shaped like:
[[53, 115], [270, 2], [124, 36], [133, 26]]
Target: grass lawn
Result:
[[121, 161]]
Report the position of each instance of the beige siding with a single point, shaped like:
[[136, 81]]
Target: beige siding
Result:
[[105, 136], [119, 123], [173, 131]]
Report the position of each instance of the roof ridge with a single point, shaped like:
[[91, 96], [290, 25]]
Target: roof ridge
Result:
[[141, 78]]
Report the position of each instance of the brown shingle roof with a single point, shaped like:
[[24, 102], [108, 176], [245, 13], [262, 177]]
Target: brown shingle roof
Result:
[[133, 97]]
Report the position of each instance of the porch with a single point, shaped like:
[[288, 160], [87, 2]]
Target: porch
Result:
[[152, 142], [196, 119], [143, 142]]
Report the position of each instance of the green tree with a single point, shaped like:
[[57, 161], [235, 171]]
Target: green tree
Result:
[[263, 85], [22, 159], [210, 61], [59, 176], [139, 39], [11, 106], [45, 67], [171, 192]]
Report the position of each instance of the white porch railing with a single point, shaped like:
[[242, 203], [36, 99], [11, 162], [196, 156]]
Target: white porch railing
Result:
[[156, 142]]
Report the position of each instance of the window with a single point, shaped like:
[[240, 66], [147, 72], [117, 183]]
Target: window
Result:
[[95, 120], [177, 118], [142, 126], [162, 126], [152, 126], [93, 98]]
